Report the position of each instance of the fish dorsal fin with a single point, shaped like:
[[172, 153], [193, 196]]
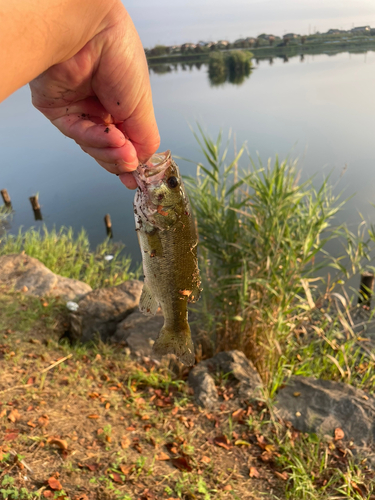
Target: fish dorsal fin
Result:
[[148, 303]]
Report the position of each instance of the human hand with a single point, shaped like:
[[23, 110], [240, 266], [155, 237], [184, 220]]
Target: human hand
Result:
[[101, 98]]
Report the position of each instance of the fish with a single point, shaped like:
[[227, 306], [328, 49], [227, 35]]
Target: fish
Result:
[[168, 240]]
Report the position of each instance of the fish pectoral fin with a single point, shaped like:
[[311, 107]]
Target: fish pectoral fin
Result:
[[148, 303], [195, 293]]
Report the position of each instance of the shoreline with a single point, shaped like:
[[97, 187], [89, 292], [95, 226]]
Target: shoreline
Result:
[[331, 48]]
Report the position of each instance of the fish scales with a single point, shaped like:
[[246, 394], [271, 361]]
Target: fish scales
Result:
[[168, 240]]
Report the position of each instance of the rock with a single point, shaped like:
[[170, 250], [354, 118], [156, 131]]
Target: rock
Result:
[[101, 310], [69, 288], [31, 276], [320, 406], [203, 384], [139, 331], [242, 371]]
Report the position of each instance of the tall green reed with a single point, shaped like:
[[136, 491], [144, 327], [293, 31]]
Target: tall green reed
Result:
[[262, 239]]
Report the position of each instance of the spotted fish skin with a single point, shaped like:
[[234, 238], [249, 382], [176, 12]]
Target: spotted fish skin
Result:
[[168, 240]]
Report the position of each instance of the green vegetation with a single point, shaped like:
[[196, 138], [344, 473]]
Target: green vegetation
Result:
[[266, 290], [234, 67], [70, 255]]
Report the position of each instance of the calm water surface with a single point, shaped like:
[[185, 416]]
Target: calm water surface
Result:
[[320, 110]]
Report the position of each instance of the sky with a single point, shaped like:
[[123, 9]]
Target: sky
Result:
[[176, 21]]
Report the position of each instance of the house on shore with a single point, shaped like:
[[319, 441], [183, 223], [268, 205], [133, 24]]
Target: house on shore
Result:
[[220, 45], [239, 43], [291, 36], [361, 29], [174, 49], [335, 32], [188, 47]]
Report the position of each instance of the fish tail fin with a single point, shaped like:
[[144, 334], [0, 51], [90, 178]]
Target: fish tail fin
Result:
[[179, 343]]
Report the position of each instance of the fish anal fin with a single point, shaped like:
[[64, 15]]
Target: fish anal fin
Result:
[[148, 303]]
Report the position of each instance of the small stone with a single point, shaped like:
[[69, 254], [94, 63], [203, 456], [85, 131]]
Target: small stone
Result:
[[242, 370]]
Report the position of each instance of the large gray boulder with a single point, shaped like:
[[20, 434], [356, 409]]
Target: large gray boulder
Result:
[[241, 369], [21, 272], [100, 311], [321, 406]]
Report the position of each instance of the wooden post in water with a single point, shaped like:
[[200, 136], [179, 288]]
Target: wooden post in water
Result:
[[34, 200], [366, 288], [6, 198], [108, 225]]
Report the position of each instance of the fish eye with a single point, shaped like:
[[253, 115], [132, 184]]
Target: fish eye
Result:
[[172, 182]]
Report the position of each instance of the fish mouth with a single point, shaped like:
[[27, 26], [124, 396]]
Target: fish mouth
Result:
[[153, 170]]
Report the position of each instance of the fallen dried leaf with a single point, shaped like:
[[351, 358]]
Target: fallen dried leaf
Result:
[[3, 413], [54, 483], [126, 469], [205, 460], [116, 477], [238, 414], [162, 456], [254, 472], [93, 395], [282, 475], [92, 467], [172, 447], [339, 434], [241, 442], [266, 456], [14, 415], [262, 443], [43, 420], [11, 436], [223, 442], [61, 443], [357, 489], [228, 487], [48, 494], [181, 463], [30, 381]]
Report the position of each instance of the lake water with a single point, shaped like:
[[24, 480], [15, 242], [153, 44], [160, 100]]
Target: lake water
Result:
[[320, 109]]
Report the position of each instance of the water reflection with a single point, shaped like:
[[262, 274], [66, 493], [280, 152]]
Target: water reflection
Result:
[[232, 67], [219, 71]]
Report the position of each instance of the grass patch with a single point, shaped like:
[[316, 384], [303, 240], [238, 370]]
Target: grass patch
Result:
[[70, 255]]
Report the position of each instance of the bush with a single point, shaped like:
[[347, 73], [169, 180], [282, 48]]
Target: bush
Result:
[[233, 67], [158, 50], [262, 239]]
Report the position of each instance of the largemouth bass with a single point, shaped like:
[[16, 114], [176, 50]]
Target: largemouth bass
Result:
[[168, 240]]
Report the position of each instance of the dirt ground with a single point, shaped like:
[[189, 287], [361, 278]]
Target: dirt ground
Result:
[[88, 422]]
